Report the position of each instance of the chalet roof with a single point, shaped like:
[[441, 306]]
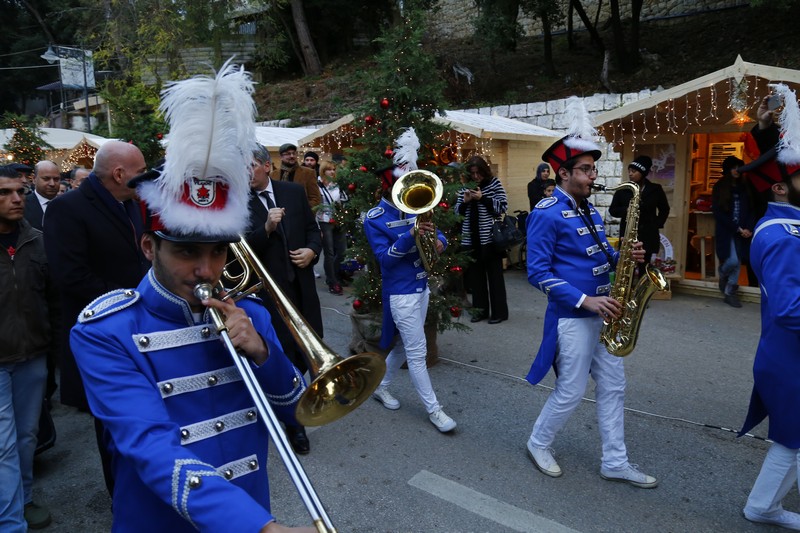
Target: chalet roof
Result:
[[481, 126], [59, 138], [272, 136], [724, 99]]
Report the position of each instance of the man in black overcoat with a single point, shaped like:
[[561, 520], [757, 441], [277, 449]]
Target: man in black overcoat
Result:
[[286, 238]]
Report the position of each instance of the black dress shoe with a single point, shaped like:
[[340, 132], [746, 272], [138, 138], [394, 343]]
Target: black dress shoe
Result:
[[298, 439], [496, 320], [477, 318]]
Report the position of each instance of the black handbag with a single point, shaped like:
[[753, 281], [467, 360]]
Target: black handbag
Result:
[[506, 234]]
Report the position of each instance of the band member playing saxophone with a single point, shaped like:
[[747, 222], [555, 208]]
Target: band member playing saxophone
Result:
[[189, 451], [570, 259]]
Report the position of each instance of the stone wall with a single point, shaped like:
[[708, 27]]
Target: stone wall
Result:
[[454, 19]]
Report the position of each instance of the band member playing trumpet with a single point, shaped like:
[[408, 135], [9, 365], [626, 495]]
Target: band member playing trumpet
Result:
[[189, 451], [569, 259], [405, 297]]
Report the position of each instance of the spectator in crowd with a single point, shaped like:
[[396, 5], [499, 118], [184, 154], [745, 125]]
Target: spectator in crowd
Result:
[[536, 185], [549, 188], [29, 327], [334, 239], [653, 208], [77, 176], [480, 206], [284, 234], [311, 160], [732, 201], [27, 173], [46, 178], [92, 243], [290, 170], [63, 186]]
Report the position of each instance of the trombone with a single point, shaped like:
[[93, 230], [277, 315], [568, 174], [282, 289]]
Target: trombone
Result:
[[338, 386], [417, 192]]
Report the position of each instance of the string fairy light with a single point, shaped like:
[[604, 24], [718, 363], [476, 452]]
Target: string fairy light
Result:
[[686, 113]]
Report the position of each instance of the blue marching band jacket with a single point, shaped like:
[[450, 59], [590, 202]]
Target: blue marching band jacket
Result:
[[774, 255], [189, 449], [389, 236], [566, 262]]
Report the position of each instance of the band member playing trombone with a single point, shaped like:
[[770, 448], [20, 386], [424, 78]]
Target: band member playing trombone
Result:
[[569, 259], [189, 451]]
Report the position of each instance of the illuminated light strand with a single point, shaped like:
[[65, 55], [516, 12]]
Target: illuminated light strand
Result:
[[686, 114]]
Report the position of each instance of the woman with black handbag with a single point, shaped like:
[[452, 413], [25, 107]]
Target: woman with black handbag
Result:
[[480, 206]]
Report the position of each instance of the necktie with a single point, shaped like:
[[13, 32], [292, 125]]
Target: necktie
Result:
[[282, 232]]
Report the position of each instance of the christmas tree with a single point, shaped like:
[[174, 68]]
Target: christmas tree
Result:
[[406, 92], [26, 146]]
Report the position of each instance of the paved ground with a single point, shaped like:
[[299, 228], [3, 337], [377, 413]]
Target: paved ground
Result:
[[391, 471]]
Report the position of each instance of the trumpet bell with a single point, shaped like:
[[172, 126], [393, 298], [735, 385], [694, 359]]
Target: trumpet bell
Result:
[[417, 191], [340, 389]]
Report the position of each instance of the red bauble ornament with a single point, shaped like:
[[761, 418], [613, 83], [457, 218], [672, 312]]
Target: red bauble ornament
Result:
[[351, 187], [159, 136], [369, 120], [362, 168], [357, 304], [444, 205], [455, 311], [389, 152], [385, 103], [456, 269]]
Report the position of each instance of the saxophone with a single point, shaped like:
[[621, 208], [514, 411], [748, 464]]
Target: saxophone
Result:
[[619, 334]]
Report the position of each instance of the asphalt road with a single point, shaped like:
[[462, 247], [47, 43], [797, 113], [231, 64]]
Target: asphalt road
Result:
[[391, 471]]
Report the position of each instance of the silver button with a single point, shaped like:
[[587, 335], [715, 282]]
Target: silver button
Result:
[[251, 415], [167, 388], [184, 434], [219, 426], [144, 341], [194, 482], [228, 473], [205, 332], [129, 293], [88, 313], [252, 465], [296, 382], [212, 380]]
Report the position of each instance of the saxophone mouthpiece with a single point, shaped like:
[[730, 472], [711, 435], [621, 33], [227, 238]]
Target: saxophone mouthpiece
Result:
[[598, 187]]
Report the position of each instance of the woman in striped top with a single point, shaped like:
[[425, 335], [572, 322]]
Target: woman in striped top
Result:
[[480, 207]]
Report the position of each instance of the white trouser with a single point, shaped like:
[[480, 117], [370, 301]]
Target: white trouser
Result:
[[579, 353], [408, 313], [778, 474]]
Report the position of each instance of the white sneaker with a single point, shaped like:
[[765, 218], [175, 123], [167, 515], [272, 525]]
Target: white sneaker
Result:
[[442, 422], [317, 274], [388, 401], [782, 518], [630, 474], [543, 460]]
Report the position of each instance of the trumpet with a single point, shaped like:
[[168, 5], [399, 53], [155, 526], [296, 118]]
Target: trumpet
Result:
[[417, 192], [338, 386]]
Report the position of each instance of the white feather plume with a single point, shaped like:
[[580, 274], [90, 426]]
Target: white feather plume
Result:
[[789, 145], [212, 137], [405, 151], [581, 133]]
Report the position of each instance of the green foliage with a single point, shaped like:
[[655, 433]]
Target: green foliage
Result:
[[405, 77], [135, 118], [26, 145], [496, 25]]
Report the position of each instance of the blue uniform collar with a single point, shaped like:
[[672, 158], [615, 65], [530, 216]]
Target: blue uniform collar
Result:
[[564, 196], [391, 209], [164, 303], [785, 209]]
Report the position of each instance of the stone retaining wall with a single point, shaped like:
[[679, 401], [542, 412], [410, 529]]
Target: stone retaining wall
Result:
[[455, 18]]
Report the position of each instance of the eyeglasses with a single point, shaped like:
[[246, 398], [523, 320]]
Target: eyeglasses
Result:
[[586, 169]]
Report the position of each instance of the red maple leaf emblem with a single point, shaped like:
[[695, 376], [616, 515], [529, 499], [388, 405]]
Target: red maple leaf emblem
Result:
[[202, 192]]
